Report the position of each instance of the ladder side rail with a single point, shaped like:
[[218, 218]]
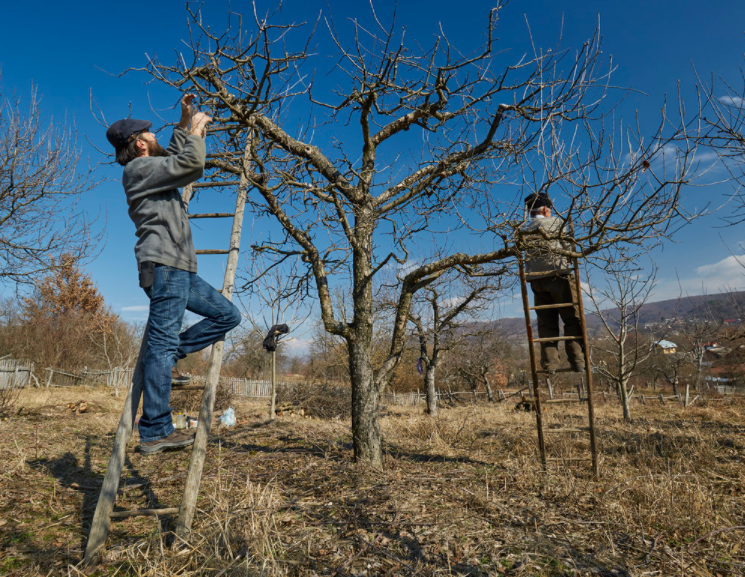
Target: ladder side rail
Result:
[[588, 373], [199, 451], [533, 369], [186, 193], [105, 505]]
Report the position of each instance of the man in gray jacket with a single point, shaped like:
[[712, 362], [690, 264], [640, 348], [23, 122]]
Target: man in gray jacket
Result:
[[167, 262], [551, 286]]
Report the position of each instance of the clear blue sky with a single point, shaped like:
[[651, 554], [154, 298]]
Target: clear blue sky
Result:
[[61, 48]]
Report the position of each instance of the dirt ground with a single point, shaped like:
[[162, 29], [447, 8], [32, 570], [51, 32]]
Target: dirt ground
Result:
[[462, 494]]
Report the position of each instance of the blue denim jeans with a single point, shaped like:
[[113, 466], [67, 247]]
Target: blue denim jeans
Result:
[[175, 291]]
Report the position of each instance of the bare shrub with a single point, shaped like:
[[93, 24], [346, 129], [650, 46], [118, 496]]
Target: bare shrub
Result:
[[8, 398], [190, 401], [322, 400]]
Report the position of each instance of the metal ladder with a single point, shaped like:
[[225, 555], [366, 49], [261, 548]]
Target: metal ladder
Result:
[[106, 499], [535, 371]]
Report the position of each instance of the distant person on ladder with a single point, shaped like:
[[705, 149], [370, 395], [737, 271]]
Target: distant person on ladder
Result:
[[553, 287], [167, 263]]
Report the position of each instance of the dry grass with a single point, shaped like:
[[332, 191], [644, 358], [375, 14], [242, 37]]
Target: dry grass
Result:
[[460, 495]]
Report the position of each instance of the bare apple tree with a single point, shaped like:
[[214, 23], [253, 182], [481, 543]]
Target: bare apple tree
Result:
[[402, 147], [622, 348], [440, 314], [41, 181], [269, 298]]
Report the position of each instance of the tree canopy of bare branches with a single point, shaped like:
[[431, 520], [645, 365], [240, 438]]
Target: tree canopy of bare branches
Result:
[[420, 143], [41, 180]]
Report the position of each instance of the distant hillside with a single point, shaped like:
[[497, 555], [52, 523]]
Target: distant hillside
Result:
[[719, 305]]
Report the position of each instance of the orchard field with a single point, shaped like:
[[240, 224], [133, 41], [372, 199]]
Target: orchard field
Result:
[[462, 494]]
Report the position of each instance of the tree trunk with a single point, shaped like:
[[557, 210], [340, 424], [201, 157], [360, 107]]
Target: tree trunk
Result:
[[365, 426], [622, 384], [489, 394], [365, 393], [429, 382]]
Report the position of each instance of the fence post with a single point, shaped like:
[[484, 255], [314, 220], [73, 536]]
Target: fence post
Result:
[[49, 378]]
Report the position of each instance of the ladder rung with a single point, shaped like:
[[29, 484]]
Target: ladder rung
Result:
[[564, 401], [568, 430], [212, 215], [551, 272], [546, 339], [212, 184], [569, 459], [554, 306], [212, 251], [143, 512], [187, 387], [564, 370]]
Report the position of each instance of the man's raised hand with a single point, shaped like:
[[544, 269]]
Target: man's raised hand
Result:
[[198, 123], [186, 103]]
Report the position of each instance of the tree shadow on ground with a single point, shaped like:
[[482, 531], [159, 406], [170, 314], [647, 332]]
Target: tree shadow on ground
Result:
[[84, 480]]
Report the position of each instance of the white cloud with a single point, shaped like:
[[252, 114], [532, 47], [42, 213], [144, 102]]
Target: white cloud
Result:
[[452, 302], [723, 275], [136, 309], [728, 272], [732, 101], [297, 347]]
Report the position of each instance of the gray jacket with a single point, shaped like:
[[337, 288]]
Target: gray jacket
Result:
[[541, 256], [155, 205]]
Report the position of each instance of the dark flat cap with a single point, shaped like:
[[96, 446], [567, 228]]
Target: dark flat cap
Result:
[[536, 201], [119, 132]]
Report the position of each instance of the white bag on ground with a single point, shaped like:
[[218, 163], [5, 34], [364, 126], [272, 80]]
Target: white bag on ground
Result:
[[228, 418]]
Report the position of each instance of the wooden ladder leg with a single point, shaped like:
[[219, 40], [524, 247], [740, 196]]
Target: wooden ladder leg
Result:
[[533, 367], [588, 374], [107, 496], [199, 451]]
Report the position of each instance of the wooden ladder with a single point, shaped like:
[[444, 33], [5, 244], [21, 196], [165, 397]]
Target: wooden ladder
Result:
[[105, 506], [535, 371]]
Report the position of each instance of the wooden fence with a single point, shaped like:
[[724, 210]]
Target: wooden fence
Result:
[[118, 377], [249, 388], [16, 374]]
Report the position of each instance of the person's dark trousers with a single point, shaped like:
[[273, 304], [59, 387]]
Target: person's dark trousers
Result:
[[175, 291], [556, 290]]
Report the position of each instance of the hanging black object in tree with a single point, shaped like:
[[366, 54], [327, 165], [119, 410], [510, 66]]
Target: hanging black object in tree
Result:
[[270, 342]]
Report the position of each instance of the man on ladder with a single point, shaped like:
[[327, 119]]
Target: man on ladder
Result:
[[167, 263], [556, 286]]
